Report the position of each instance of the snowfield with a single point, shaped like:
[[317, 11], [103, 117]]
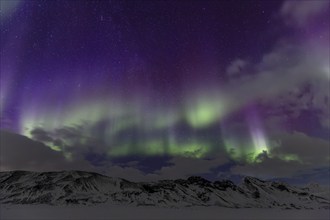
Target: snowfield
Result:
[[104, 211]]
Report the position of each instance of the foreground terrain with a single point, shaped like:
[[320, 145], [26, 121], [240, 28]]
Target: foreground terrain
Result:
[[106, 211]]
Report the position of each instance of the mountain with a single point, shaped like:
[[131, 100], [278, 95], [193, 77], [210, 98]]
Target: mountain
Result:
[[78, 187]]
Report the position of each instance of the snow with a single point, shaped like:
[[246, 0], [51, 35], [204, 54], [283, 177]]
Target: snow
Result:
[[106, 211], [77, 187]]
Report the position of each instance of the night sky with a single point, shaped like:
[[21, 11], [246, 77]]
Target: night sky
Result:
[[166, 89]]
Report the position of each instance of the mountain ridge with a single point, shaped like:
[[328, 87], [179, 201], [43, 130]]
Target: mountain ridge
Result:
[[89, 188]]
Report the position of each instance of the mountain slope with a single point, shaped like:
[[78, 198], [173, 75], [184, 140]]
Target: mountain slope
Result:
[[78, 187]]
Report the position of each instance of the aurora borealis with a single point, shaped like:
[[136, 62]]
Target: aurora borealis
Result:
[[236, 84]]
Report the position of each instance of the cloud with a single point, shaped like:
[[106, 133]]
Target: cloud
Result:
[[129, 173], [294, 153], [292, 77], [309, 150], [318, 175], [8, 7], [308, 154], [175, 168], [236, 67], [268, 168], [41, 135], [21, 153], [289, 154], [299, 13], [281, 76], [183, 167]]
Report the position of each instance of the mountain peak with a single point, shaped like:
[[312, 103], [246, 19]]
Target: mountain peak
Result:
[[198, 180], [252, 179]]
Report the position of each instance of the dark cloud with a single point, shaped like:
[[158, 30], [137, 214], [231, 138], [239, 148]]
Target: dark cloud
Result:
[[147, 164], [318, 175], [68, 132], [21, 153], [41, 135], [182, 167]]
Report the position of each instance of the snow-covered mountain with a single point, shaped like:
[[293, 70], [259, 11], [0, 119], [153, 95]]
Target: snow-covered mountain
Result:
[[78, 187]]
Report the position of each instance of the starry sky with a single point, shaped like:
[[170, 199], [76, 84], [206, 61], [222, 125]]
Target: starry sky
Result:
[[166, 89]]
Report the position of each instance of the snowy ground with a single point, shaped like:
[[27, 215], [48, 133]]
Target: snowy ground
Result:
[[45, 212]]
